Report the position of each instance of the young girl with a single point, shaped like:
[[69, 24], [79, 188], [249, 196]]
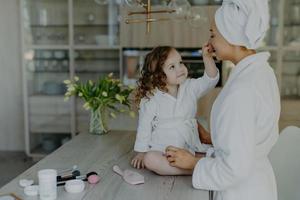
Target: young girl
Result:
[[168, 105]]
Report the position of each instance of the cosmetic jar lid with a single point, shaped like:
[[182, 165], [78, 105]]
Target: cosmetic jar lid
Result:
[[25, 182], [47, 173]]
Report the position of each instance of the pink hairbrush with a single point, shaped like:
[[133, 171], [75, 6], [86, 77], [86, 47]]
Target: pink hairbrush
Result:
[[129, 176]]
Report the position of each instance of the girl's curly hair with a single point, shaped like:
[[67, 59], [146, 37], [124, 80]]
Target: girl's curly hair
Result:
[[152, 74]]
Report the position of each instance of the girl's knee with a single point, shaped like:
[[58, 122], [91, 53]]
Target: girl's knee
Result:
[[148, 159], [152, 160]]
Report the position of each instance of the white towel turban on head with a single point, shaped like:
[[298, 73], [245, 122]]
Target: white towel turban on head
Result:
[[243, 22]]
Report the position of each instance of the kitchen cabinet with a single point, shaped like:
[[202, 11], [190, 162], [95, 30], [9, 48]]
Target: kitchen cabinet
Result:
[[61, 39]]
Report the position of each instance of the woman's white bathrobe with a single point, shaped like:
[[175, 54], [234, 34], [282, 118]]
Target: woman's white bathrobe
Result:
[[165, 120], [244, 127]]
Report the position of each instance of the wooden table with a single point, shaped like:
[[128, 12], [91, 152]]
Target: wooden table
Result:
[[100, 153]]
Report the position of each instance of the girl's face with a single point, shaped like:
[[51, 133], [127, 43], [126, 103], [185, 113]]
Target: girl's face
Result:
[[222, 48], [174, 69]]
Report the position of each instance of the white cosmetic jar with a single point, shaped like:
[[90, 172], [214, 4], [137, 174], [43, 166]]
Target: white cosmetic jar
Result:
[[47, 184], [74, 186]]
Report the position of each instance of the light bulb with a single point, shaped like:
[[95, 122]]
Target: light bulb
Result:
[[182, 7], [134, 3], [197, 19]]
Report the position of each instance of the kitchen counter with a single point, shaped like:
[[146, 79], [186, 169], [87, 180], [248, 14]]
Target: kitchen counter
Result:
[[99, 154]]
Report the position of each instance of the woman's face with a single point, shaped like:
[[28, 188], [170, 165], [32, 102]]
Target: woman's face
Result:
[[222, 48], [174, 69]]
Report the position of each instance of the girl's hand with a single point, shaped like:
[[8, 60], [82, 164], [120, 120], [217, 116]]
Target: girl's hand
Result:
[[138, 161], [209, 63], [181, 158], [207, 50]]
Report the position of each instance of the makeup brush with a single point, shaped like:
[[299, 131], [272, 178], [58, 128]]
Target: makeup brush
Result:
[[68, 176], [91, 177]]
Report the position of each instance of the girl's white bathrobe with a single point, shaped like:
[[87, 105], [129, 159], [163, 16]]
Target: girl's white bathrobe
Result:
[[244, 127], [165, 120]]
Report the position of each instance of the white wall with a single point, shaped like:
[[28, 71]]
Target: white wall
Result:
[[11, 106]]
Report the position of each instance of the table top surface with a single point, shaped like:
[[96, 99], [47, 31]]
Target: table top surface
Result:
[[100, 153]]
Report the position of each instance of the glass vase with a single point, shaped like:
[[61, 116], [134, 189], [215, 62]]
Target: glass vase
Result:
[[98, 122]]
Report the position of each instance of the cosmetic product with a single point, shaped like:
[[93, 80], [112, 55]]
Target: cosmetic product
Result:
[[25, 182], [74, 186], [68, 176], [47, 184], [93, 179], [31, 190], [82, 177]]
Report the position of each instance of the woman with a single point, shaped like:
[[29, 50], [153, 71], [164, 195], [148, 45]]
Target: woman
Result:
[[244, 117]]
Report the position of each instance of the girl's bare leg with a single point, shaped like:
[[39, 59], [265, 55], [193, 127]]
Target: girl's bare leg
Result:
[[158, 163]]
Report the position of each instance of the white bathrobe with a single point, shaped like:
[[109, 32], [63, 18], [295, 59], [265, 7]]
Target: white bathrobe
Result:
[[244, 127], [165, 120]]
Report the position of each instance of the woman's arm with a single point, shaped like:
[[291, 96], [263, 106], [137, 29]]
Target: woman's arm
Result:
[[204, 135], [182, 158]]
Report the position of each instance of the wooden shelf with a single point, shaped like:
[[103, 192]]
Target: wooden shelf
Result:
[[49, 71], [93, 25], [195, 6], [268, 48], [39, 95], [94, 71], [47, 96], [95, 47], [49, 26], [291, 25], [50, 47], [51, 59], [293, 99], [89, 59], [292, 47], [50, 129]]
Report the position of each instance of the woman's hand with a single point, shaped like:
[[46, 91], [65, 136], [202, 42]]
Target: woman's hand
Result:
[[138, 161], [181, 158], [204, 135]]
